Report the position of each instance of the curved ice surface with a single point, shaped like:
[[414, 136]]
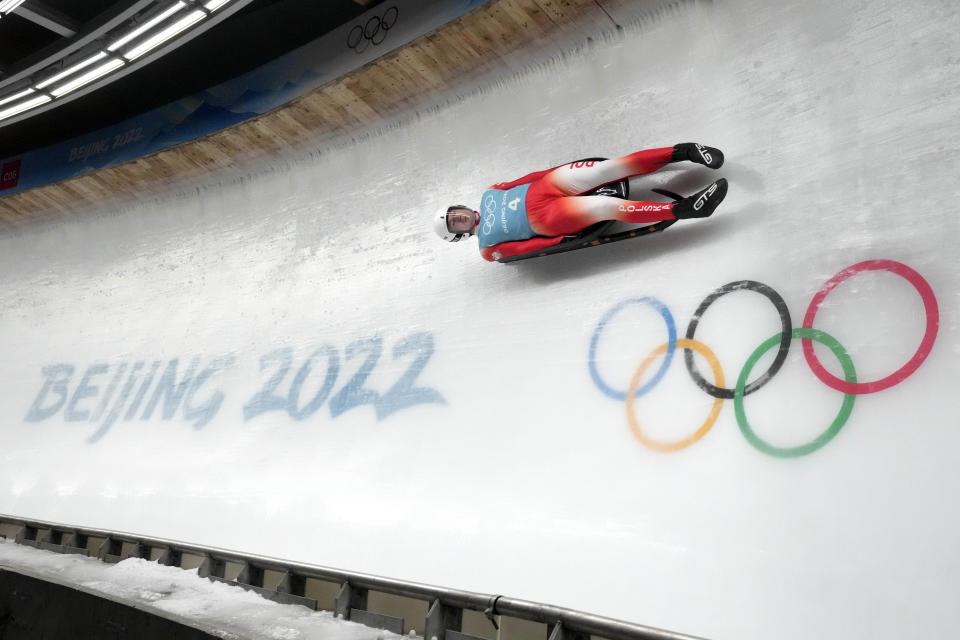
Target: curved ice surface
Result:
[[292, 346]]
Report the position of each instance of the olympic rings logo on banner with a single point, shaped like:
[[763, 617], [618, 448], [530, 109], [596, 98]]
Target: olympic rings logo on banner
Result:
[[373, 31], [849, 385]]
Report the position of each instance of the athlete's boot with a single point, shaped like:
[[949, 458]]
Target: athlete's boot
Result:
[[694, 152], [702, 203]]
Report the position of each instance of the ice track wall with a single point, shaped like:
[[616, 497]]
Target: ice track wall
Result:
[[288, 362]]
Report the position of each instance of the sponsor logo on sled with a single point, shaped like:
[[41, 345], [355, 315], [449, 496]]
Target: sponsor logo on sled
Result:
[[647, 207], [702, 200], [704, 153]]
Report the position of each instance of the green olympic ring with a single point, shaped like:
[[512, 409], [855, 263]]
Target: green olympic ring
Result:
[[849, 373]]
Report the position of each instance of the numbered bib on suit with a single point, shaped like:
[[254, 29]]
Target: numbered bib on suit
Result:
[[503, 216]]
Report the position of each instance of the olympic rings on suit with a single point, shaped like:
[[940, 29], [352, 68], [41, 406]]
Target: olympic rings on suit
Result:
[[807, 334], [373, 31]]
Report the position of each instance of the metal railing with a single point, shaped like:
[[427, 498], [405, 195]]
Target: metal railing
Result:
[[444, 616]]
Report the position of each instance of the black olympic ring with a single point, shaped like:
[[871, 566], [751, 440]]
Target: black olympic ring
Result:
[[782, 311], [374, 30]]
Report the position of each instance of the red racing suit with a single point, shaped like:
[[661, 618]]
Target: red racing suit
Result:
[[555, 207]]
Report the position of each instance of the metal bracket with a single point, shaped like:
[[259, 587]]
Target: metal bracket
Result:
[[293, 584], [211, 567], [110, 550], [169, 558], [440, 619], [349, 598], [491, 612], [25, 534], [559, 632], [251, 575]]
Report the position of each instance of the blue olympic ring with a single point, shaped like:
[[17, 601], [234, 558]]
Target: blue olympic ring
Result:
[[668, 358]]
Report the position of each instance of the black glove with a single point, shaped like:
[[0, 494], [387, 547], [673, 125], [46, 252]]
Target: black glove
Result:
[[695, 152], [702, 203]]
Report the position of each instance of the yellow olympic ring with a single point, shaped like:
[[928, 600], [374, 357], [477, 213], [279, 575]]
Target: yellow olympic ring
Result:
[[656, 445]]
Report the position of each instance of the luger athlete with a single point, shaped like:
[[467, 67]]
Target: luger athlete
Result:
[[540, 208]]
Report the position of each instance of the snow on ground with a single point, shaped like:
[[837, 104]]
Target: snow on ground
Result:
[[183, 595]]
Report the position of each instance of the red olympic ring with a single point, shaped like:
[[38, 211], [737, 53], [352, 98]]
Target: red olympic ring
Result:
[[933, 323]]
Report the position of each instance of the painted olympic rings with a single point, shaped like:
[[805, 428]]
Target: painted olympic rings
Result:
[[807, 334], [690, 345], [849, 373], [901, 374], [671, 346], [782, 311], [374, 30]]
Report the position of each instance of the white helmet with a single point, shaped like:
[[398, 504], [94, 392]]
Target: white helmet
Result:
[[440, 224]]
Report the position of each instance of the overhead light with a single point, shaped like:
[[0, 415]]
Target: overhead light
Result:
[[72, 70], [155, 41], [88, 77], [102, 63], [7, 6], [24, 106], [213, 5], [16, 96], [146, 26]]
